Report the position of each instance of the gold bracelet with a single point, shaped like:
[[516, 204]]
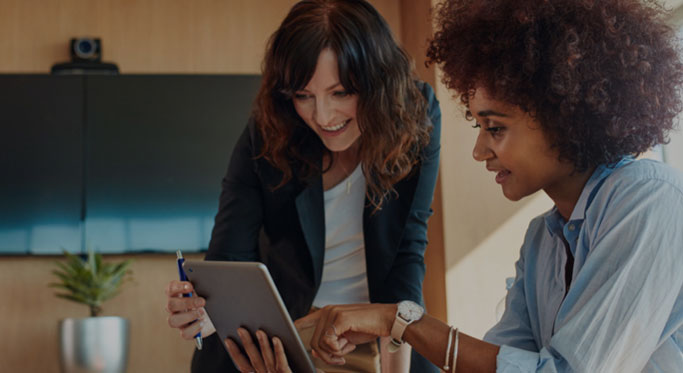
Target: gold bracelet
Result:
[[446, 367]]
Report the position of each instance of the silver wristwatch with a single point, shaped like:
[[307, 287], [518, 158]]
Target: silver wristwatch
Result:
[[408, 312]]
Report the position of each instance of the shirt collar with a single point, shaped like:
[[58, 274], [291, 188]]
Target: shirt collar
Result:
[[555, 222]]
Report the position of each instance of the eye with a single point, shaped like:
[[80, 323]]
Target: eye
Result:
[[341, 94], [301, 96], [495, 130]]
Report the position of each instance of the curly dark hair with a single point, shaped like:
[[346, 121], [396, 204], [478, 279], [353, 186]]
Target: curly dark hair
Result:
[[391, 110], [603, 77]]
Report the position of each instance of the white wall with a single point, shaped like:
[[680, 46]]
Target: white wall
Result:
[[673, 152]]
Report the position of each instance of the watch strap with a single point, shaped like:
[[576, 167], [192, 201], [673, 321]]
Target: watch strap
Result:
[[397, 330]]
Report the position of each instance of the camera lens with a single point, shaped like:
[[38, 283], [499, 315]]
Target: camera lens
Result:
[[85, 48]]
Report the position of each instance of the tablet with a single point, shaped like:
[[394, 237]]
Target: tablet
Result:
[[242, 294]]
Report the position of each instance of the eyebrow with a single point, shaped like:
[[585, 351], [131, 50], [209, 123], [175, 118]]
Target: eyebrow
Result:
[[333, 86], [491, 113], [327, 89]]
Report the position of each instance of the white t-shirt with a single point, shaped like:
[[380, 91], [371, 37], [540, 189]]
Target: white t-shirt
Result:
[[344, 278]]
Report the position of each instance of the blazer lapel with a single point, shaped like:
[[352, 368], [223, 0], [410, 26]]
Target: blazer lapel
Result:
[[311, 211]]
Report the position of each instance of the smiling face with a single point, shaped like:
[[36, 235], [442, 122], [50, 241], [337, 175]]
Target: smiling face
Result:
[[515, 147], [326, 107]]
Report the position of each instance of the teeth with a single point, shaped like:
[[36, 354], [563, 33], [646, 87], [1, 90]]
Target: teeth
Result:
[[337, 127]]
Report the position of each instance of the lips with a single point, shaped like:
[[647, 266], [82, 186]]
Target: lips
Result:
[[501, 176], [337, 127]]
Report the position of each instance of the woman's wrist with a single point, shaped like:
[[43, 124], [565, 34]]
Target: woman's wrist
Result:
[[389, 316]]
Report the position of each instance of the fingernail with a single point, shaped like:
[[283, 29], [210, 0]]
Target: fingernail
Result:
[[186, 286]]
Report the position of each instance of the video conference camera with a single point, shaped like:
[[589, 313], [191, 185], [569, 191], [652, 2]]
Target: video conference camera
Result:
[[86, 58], [86, 50]]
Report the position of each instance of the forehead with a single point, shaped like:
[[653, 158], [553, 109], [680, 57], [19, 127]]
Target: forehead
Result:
[[326, 71], [482, 100]]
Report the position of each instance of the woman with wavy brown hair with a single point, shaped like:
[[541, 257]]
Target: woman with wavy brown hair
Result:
[[564, 94], [331, 183]]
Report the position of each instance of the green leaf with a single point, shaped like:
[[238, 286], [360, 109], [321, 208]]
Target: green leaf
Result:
[[91, 281]]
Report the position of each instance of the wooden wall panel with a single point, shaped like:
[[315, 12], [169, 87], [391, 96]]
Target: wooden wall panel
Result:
[[416, 29], [415, 32], [147, 36]]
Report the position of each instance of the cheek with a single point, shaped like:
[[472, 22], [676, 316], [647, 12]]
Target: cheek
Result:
[[351, 107], [304, 112]]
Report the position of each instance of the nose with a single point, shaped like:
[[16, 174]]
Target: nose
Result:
[[481, 151], [324, 112]]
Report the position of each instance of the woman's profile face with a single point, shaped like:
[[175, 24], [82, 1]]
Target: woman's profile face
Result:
[[326, 107], [515, 147]]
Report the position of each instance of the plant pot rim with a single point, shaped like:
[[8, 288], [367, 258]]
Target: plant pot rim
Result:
[[93, 318]]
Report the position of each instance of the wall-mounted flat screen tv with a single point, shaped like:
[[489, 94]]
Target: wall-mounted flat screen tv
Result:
[[117, 164]]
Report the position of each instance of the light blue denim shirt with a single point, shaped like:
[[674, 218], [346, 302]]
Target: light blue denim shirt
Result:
[[624, 308]]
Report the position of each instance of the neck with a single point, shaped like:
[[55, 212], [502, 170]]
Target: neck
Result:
[[567, 193], [343, 163], [346, 159]]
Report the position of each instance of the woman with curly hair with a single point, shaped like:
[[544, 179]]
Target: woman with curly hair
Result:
[[564, 94], [331, 182]]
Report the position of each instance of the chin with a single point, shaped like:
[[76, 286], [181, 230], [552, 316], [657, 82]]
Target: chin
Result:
[[339, 146], [514, 197]]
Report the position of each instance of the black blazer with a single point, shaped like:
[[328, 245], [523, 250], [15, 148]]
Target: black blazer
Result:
[[285, 229]]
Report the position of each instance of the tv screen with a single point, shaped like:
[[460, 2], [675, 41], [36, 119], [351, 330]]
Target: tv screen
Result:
[[41, 164], [148, 154]]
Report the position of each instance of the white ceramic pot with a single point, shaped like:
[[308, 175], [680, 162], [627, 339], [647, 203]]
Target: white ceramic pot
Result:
[[94, 344]]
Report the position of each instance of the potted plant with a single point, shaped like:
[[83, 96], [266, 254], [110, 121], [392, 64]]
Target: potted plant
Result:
[[95, 343]]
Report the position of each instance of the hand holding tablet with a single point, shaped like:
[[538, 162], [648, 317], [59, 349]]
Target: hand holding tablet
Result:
[[268, 356], [243, 295]]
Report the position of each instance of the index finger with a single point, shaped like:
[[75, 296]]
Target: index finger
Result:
[[237, 357], [281, 364], [177, 288], [252, 351], [323, 331]]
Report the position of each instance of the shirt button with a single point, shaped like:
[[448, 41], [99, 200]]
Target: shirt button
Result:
[[571, 227]]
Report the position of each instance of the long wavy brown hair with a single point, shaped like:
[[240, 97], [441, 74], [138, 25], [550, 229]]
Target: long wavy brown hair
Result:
[[391, 112], [603, 77]]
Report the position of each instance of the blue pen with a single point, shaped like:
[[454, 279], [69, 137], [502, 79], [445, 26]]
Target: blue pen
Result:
[[198, 337]]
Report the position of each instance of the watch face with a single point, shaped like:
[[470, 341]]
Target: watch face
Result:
[[410, 311]]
